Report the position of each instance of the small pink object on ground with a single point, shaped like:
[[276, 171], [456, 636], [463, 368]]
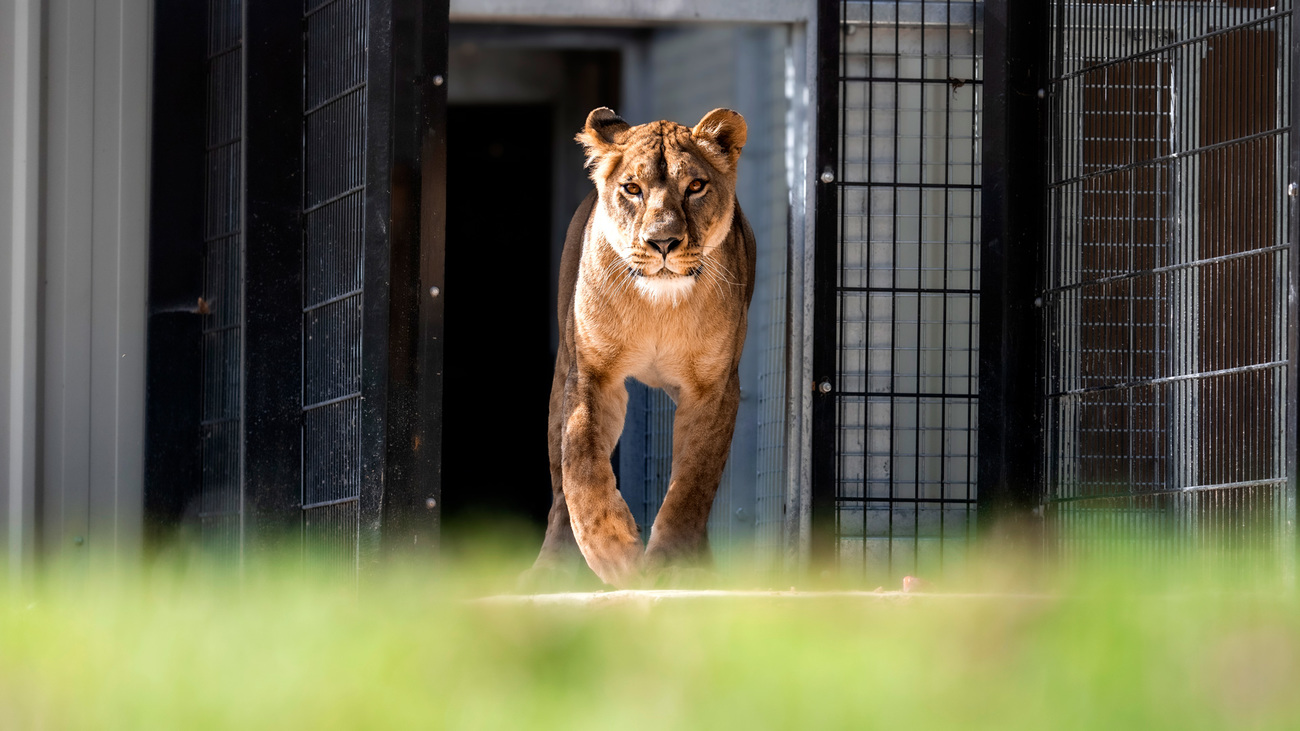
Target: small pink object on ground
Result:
[[912, 584]]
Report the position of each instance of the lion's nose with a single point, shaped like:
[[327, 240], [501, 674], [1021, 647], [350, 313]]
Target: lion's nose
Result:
[[665, 246]]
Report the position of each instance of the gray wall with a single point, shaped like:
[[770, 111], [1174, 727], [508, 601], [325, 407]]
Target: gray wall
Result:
[[19, 162], [72, 454]]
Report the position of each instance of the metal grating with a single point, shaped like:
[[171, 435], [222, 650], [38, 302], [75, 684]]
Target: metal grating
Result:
[[220, 494], [334, 148], [906, 292], [1165, 287]]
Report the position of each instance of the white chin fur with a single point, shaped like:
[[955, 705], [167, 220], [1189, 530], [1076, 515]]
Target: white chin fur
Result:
[[665, 289]]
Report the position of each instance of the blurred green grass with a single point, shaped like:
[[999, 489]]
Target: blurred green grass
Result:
[[186, 646]]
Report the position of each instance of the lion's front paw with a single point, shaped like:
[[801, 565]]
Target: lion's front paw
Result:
[[617, 564]]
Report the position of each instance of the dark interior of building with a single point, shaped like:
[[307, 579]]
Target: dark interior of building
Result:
[[498, 361], [514, 176]]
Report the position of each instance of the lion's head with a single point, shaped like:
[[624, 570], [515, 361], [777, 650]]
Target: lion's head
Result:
[[667, 193]]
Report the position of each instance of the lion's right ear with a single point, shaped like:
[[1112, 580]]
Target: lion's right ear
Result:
[[722, 131], [603, 131]]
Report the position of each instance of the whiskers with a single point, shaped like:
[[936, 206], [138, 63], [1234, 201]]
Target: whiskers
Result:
[[719, 277], [615, 278]]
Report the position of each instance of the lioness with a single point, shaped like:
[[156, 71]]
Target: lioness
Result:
[[655, 283]]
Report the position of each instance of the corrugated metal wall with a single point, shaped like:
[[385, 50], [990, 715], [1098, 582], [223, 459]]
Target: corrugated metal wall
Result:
[[74, 131]]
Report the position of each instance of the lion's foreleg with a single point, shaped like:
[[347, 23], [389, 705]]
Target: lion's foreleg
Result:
[[702, 434], [602, 524]]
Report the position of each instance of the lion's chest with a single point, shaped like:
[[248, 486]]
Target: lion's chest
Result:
[[663, 347]]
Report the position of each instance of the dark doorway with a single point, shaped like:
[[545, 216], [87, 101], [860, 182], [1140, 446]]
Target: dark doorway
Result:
[[499, 309]]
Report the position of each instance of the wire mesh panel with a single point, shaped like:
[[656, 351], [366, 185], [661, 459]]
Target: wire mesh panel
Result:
[[905, 396], [220, 501], [1165, 295], [334, 158]]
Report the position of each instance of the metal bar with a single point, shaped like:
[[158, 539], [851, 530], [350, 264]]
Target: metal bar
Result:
[[312, 11], [910, 14], [910, 394], [1166, 269], [1168, 379], [1228, 27], [870, 127], [909, 186], [947, 81], [825, 278], [337, 196], [412, 488], [328, 503], [1289, 557], [220, 145], [1075, 500], [333, 300], [893, 310], [1011, 413], [1155, 161], [908, 501], [330, 402], [222, 235], [333, 98], [384, 280], [223, 51], [909, 290]]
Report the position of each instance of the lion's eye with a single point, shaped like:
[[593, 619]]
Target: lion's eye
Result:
[[696, 186], [632, 189]]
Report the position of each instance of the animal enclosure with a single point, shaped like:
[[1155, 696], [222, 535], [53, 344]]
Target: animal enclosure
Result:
[[1028, 260], [1133, 271]]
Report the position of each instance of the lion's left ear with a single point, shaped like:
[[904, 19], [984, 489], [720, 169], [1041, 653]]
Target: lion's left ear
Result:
[[602, 134], [723, 130]]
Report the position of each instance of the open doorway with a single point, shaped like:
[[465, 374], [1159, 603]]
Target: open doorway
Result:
[[514, 177], [498, 265]]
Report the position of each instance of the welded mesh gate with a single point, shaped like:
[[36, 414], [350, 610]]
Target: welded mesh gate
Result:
[[1167, 322], [317, 415], [897, 331]]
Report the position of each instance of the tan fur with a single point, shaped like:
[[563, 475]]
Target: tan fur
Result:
[[673, 320]]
